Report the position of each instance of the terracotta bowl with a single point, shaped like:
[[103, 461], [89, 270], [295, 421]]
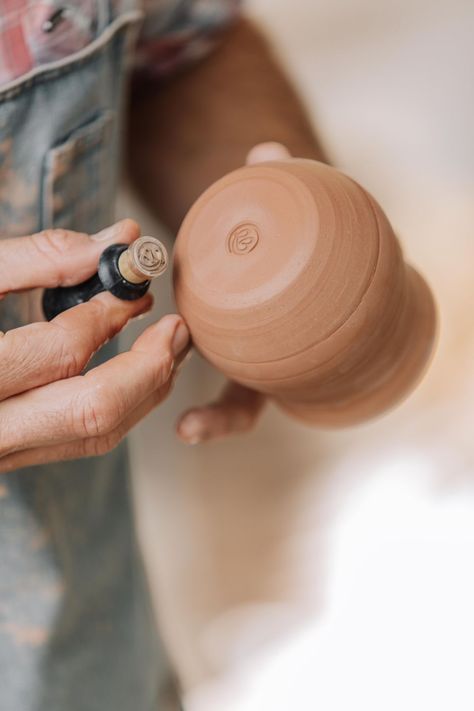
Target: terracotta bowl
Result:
[[293, 283]]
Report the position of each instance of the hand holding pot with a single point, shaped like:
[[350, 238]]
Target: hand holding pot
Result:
[[293, 284]]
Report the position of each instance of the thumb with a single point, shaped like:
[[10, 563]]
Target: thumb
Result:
[[57, 257]]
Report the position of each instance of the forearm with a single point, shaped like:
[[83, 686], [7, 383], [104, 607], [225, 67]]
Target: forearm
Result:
[[190, 131]]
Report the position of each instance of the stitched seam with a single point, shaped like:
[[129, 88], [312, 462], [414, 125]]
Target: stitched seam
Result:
[[52, 70]]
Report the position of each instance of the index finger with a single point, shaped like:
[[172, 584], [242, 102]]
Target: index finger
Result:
[[95, 404], [44, 352]]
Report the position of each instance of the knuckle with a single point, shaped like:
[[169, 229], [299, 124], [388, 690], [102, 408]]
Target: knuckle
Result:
[[24, 358], [102, 320], [53, 241], [88, 420], [41, 352], [105, 319], [163, 370], [103, 445], [97, 310], [52, 245], [70, 364], [70, 361], [73, 350], [97, 415]]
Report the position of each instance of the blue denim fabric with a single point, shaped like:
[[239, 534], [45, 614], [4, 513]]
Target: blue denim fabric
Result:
[[76, 628]]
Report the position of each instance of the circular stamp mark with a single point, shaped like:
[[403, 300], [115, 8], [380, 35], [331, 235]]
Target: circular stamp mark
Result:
[[243, 239], [149, 256]]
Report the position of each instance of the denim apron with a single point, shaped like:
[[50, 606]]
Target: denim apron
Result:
[[76, 627]]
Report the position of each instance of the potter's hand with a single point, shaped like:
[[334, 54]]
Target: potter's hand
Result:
[[238, 408], [49, 411], [236, 411]]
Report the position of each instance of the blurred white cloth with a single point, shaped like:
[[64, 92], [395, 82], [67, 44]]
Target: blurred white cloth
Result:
[[296, 568]]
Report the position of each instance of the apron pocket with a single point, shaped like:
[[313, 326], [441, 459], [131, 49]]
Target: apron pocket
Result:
[[76, 176]]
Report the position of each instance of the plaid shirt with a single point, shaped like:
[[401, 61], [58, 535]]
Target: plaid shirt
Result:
[[35, 32]]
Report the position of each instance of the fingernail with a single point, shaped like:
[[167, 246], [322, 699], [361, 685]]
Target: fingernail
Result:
[[193, 441], [268, 151], [190, 430], [180, 339], [109, 233]]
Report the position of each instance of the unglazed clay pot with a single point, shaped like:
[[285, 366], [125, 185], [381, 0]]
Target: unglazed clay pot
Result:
[[292, 282]]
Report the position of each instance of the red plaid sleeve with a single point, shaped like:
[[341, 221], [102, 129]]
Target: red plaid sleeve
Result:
[[33, 33], [177, 33]]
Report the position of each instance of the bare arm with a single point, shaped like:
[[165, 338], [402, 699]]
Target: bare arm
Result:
[[201, 124]]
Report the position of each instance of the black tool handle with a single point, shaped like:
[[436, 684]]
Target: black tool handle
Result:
[[108, 278]]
